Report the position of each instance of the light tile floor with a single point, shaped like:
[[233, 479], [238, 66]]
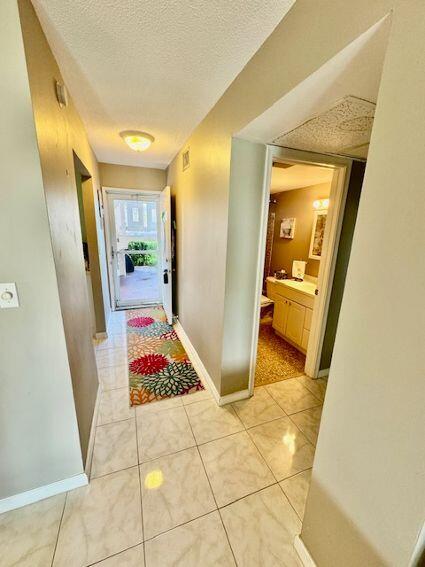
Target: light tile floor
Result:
[[180, 482]]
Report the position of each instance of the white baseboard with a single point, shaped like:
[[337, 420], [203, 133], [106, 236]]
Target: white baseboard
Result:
[[90, 447], [235, 397], [102, 335], [31, 496], [303, 553], [323, 373], [203, 373], [196, 361]]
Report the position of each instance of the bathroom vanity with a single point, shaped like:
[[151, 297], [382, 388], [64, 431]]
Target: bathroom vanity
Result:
[[293, 309]]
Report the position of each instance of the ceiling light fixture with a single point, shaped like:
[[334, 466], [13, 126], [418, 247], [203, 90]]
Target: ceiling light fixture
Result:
[[321, 204], [137, 141]]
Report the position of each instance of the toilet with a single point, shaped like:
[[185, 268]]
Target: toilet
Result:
[[266, 309]]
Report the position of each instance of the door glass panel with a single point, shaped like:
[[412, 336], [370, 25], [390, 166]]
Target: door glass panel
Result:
[[136, 262]]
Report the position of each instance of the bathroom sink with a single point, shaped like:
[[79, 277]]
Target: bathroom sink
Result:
[[305, 286]]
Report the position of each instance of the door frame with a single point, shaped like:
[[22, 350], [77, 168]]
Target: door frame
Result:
[[337, 197], [108, 218]]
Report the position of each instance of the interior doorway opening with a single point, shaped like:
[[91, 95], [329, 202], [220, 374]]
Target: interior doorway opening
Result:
[[84, 188], [305, 197], [298, 207]]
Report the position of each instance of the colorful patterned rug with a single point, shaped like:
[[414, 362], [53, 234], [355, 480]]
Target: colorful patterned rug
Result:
[[158, 364]]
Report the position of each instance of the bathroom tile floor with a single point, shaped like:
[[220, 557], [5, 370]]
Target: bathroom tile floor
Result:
[[276, 359], [179, 482]]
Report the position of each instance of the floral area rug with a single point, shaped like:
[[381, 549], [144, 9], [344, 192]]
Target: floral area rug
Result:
[[158, 364]]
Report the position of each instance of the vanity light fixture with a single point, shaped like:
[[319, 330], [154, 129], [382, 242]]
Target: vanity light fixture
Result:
[[137, 141], [321, 204]]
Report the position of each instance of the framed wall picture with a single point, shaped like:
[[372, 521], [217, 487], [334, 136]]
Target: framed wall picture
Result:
[[287, 228], [317, 234]]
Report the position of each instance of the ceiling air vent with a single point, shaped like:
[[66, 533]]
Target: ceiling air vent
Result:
[[186, 159]]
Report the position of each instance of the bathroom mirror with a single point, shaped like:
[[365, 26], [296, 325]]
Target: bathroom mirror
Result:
[[317, 234]]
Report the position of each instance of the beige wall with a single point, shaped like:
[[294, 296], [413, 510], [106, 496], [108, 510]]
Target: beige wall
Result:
[[39, 435], [367, 500], [59, 134], [202, 191], [298, 204], [128, 177]]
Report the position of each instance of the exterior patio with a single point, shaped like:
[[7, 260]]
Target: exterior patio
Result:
[[142, 285]]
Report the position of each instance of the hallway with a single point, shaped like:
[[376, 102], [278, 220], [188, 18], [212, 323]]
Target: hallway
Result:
[[187, 123], [177, 481]]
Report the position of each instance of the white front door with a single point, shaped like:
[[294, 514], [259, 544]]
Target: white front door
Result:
[[135, 263], [166, 272]]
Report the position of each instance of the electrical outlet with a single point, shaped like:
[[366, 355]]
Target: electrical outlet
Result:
[[8, 296]]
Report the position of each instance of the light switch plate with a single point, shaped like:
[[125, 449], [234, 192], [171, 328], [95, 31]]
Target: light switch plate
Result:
[[8, 296]]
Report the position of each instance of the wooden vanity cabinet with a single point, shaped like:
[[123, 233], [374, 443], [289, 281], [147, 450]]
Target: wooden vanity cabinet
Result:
[[292, 314]]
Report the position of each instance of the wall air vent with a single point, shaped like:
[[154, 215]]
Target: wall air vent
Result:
[[186, 159], [343, 129]]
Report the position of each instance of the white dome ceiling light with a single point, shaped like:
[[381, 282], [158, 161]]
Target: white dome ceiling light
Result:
[[137, 141]]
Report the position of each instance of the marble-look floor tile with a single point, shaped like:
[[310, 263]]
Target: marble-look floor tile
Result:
[[296, 489], [175, 490], [261, 529], [114, 406], [117, 330], [196, 397], [100, 520], [133, 557], [160, 405], [28, 535], [113, 377], [114, 341], [111, 357], [292, 396], [202, 542], [162, 433], [283, 446], [258, 409], [115, 447], [235, 467], [209, 421], [309, 422], [316, 386]]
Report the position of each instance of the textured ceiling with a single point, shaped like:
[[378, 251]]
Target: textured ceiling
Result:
[[152, 65], [298, 176], [343, 129], [356, 70]]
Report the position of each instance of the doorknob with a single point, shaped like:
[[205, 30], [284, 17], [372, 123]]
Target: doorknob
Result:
[[165, 276]]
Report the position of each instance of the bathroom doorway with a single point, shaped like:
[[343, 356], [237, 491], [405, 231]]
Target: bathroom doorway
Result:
[[299, 198], [303, 214]]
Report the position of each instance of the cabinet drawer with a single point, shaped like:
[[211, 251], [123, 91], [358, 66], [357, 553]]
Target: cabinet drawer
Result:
[[294, 295], [307, 321], [306, 336]]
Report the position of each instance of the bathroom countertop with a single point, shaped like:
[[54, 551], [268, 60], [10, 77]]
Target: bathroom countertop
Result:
[[306, 287]]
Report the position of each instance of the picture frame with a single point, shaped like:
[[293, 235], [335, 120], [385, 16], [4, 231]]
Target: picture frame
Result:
[[317, 234], [287, 228]]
